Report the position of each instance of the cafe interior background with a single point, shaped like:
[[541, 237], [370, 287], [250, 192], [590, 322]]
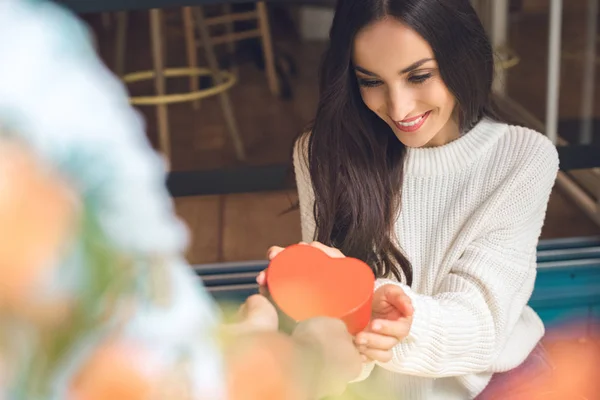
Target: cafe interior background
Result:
[[228, 135], [236, 142]]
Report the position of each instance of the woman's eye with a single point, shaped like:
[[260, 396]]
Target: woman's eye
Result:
[[417, 79], [368, 82]]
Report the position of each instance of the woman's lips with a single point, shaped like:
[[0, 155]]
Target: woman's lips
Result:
[[412, 124]]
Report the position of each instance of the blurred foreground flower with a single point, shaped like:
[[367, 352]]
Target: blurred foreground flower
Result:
[[573, 372], [98, 301], [116, 371], [577, 365], [37, 213], [88, 231]]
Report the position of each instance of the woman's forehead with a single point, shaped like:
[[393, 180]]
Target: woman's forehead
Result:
[[389, 43]]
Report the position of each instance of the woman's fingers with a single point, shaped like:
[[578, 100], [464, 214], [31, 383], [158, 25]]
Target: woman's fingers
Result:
[[261, 279], [368, 340], [395, 296], [377, 355], [398, 329], [273, 252], [330, 251]]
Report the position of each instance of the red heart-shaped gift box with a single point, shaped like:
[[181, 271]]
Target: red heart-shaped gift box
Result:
[[305, 282]]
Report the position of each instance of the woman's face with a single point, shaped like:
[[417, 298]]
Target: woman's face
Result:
[[399, 80]]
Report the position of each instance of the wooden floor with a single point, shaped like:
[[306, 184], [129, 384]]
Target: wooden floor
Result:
[[239, 226], [242, 226]]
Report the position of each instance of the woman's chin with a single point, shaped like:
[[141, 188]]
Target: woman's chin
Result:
[[412, 139]]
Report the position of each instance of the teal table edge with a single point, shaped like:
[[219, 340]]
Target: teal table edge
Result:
[[567, 287]]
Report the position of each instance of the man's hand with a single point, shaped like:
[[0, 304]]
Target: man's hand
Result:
[[337, 359], [390, 323], [257, 314]]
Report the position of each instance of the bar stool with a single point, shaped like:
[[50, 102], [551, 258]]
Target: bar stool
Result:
[[194, 18], [263, 32], [222, 80]]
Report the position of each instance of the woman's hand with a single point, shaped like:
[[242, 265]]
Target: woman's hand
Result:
[[391, 321], [275, 250], [330, 251]]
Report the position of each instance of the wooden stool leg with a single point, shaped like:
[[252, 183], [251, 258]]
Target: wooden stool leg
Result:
[[265, 32], [106, 20], [159, 82], [190, 46], [121, 42], [230, 43], [223, 96]]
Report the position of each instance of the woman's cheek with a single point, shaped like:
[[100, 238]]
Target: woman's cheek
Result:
[[373, 99]]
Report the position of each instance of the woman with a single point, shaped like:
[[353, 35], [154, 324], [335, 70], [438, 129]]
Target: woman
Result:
[[407, 168]]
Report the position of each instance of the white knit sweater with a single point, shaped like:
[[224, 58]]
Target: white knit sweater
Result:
[[472, 212]]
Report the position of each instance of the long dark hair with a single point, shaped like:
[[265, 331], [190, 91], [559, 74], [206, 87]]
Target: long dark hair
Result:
[[355, 160]]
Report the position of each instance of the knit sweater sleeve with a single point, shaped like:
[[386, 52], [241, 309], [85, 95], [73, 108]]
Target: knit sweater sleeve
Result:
[[306, 194], [463, 327]]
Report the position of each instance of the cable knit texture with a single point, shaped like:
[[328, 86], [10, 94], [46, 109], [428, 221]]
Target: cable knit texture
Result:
[[472, 213]]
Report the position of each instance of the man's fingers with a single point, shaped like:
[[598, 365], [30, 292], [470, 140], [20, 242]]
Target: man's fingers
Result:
[[255, 302], [242, 312]]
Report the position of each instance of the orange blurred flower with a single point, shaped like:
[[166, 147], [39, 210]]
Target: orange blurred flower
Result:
[[577, 369], [36, 216], [118, 370], [576, 364]]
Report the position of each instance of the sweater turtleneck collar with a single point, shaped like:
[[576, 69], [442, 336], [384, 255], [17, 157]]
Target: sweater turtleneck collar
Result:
[[456, 155]]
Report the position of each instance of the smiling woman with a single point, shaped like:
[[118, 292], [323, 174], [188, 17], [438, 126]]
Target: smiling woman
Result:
[[396, 75], [405, 93], [407, 167]]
